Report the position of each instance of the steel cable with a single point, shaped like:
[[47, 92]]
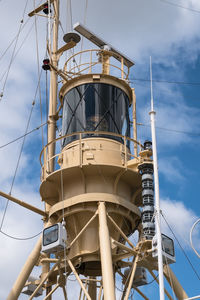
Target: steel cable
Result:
[[181, 247], [18, 238]]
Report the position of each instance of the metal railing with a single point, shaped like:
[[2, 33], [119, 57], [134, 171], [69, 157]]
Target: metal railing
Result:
[[96, 61], [126, 150]]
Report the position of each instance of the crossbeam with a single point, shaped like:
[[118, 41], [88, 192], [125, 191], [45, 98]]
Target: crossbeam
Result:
[[24, 204], [38, 9]]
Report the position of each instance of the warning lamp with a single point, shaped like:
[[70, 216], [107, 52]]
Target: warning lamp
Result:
[[54, 238], [46, 64], [46, 9], [167, 249], [147, 145]]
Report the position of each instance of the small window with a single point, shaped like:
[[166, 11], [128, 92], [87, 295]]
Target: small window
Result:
[[50, 235]]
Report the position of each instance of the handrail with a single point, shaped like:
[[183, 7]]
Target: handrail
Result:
[[91, 62], [80, 133]]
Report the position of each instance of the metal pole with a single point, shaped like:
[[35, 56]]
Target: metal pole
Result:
[[134, 122], [156, 279], [106, 255], [25, 272], [53, 90], [44, 279], [52, 102], [131, 278], [45, 271], [78, 279], [24, 204], [157, 199], [51, 292]]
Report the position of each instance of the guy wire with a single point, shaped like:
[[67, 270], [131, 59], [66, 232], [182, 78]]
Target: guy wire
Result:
[[181, 247]]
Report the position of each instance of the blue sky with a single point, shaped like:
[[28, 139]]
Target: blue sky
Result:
[[140, 29]]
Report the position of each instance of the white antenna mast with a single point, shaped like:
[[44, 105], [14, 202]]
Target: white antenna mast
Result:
[[157, 198]]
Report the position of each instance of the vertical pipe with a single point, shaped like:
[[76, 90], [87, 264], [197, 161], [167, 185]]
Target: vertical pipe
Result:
[[25, 272], [53, 90], [80, 150], [45, 271], [122, 68], [157, 199], [134, 122], [52, 104], [45, 164], [125, 152], [106, 255]]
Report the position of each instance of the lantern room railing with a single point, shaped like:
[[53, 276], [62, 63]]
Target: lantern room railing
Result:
[[79, 138], [96, 61]]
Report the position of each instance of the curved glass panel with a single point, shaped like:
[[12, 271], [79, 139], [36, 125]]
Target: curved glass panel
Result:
[[50, 235], [95, 107]]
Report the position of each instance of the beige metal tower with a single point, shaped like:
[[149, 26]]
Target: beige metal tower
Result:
[[91, 179]]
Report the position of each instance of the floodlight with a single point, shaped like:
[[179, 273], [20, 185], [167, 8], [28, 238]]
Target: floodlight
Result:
[[140, 277], [167, 249], [30, 287], [54, 238], [101, 43]]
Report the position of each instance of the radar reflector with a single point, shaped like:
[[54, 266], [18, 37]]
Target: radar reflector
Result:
[[101, 43]]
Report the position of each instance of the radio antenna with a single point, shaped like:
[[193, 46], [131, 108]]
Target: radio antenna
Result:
[[156, 186]]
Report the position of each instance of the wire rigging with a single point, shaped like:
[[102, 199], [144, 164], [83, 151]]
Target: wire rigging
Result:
[[139, 124], [69, 14], [180, 6], [13, 52], [26, 132], [165, 81], [22, 136], [39, 75], [18, 161], [170, 130], [14, 39], [16, 53], [193, 268], [84, 23], [20, 239], [168, 270]]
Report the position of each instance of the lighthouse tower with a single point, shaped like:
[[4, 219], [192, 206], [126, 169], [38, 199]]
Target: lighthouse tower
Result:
[[96, 181], [95, 188]]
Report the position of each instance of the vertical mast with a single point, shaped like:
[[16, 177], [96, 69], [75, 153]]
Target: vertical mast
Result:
[[157, 199], [53, 90], [52, 106]]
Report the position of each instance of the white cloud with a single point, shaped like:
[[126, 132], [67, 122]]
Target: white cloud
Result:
[[137, 28], [180, 219], [172, 169]]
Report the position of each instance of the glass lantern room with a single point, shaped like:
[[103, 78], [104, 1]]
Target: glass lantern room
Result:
[[95, 107]]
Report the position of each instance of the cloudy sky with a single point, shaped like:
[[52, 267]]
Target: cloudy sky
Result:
[[166, 30]]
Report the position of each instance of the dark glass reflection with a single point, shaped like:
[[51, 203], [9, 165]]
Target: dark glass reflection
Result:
[[95, 107], [50, 235]]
